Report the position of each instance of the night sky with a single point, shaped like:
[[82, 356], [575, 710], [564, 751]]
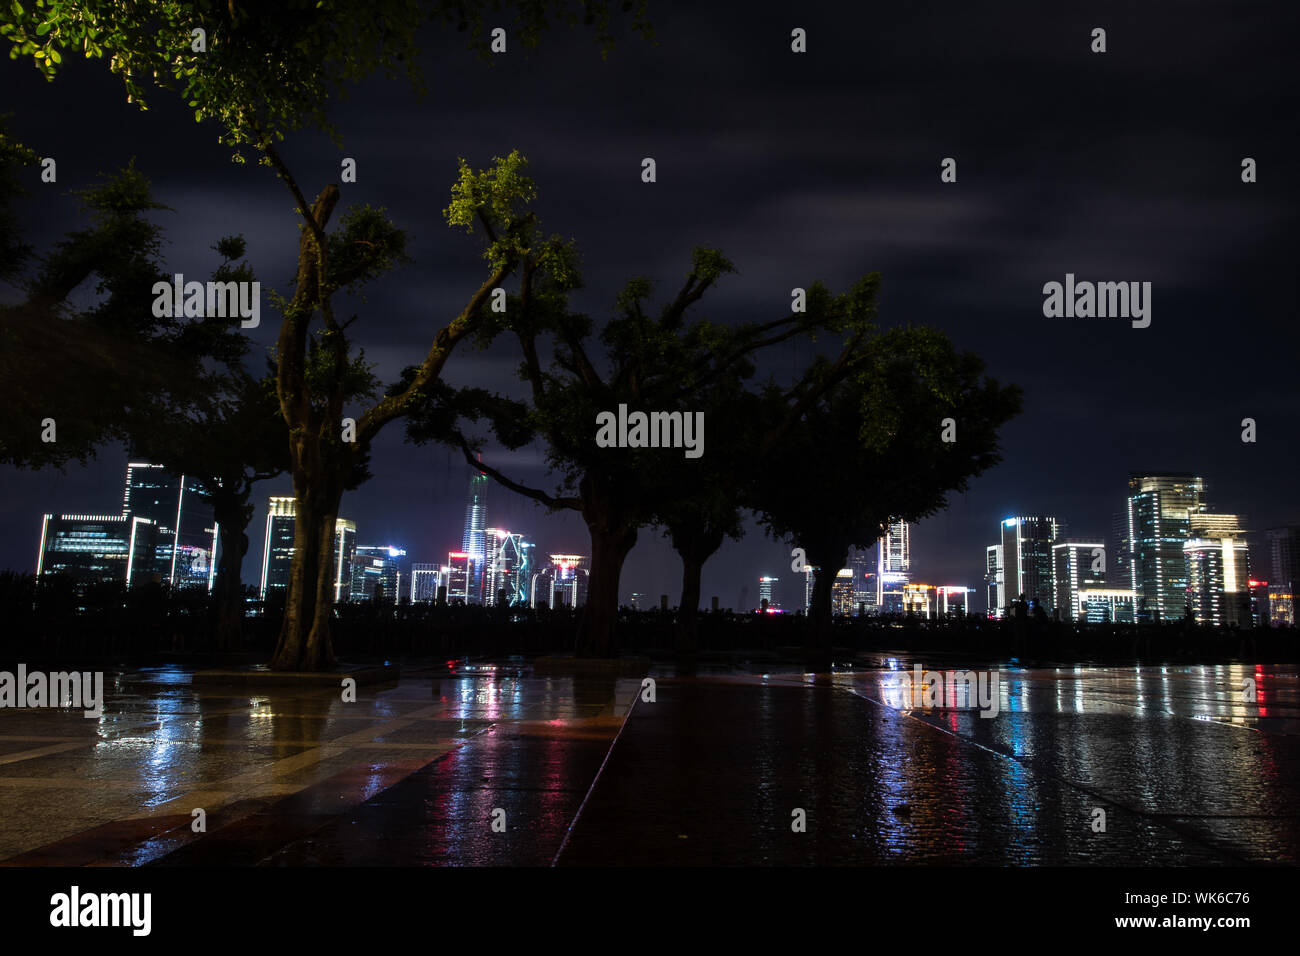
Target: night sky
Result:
[[1117, 166]]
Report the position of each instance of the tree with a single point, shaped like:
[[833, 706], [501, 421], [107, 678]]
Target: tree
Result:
[[92, 369], [878, 446], [265, 70], [653, 364]]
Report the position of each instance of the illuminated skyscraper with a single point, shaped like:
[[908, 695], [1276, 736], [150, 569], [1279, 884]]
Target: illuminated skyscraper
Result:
[[563, 582], [474, 542], [1027, 559], [893, 564], [508, 568], [376, 574], [1076, 565], [425, 580], [1218, 570], [185, 551], [458, 577], [994, 584], [765, 586], [1159, 524]]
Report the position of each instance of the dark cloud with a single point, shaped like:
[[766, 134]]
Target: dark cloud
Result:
[[1115, 166]]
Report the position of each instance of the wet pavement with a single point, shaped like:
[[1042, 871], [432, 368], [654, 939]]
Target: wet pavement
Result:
[[492, 765]]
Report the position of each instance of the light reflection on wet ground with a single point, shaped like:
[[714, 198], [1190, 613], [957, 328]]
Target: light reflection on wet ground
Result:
[[1186, 770]]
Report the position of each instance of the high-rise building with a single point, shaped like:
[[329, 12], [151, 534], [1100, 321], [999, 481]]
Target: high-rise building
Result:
[[1027, 559], [994, 583], [893, 564], [277, 550], [376, 574], [765, 586], [180, 507], [474, 541], [95, 548], [1284, 573], [425, 580], [1160, 507], [843, 590], [809, 581], [508, 569], [562, 582], [458, 577], [1076, 565], [1218, 570], [862, 563], [1117, 554]]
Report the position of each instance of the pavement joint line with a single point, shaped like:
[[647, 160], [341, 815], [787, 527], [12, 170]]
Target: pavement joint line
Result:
[[555, 861], [45, 751], [1033, 768]]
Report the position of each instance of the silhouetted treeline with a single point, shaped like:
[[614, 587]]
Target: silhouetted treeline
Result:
[[62, 620]]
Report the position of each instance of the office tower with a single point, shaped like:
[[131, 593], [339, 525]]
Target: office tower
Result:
[[1105, 606], [376, 574], [94, 548], [459, 575], [893, 563], [1117, 555], [1027, 559], [765, 586], [473, 542], [842, 593], [425, 579], [562, 582], [994, 582], [1284, 559], [1160, 507], [508, 567], [1076, 565], [180, 507], [861, 561], [809, 581], [1217, 570], [277, 550]]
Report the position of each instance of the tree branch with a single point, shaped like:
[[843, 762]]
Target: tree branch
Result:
[[574, 504]]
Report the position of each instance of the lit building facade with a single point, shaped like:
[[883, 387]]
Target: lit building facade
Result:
[[843, 592], [1027, 560], [1105, 606], [765, 591], [97, 548], [458, 577], [180, 507], [425, 581], [509, 567], [994, 585], [1076, 565], [563, 582], [376, 574], [474, 539], [893, 567], [1160, 507], [1217, 561], [1284, 558]]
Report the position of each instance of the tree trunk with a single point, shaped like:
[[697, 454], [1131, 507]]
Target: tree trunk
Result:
[[609, 549], [319, 652], [694, 545], [300, 598], [819, 613]]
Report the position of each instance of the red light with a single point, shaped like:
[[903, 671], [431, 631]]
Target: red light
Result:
[[1257, 584]]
